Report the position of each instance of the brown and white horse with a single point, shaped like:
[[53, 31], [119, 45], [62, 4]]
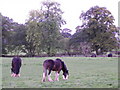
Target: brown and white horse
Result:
[[54, 65]]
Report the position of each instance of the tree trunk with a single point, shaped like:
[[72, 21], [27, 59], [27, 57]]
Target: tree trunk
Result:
[[97, 53], [48, 52], [101, 51], [96, 49]]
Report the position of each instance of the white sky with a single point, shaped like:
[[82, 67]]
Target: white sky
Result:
[[18, 10]]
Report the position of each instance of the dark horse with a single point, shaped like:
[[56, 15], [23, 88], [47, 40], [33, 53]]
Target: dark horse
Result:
[[110, 55], [54, 65], [16, 64]]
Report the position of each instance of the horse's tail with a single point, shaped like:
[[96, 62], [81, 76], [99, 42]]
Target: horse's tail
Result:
[[44, 73], [44, 69]]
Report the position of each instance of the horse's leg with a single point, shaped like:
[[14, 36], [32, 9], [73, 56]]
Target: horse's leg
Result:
[[57, 76], [17, 75], [13, 75], [49, 78], [44, 75]]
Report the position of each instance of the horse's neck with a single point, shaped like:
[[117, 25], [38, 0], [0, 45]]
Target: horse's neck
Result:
[[64, 68]]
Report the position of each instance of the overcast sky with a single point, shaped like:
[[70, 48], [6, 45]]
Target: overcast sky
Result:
[[18, 10]]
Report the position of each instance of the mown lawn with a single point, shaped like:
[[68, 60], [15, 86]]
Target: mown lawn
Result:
[[85, 72], [0, 73]]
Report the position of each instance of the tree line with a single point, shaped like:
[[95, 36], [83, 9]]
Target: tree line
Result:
[[42, 33]]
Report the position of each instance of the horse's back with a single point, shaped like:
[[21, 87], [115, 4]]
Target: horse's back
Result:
[[48, 63], [16, 61], [54, 65], [57, 65], [16, 64]]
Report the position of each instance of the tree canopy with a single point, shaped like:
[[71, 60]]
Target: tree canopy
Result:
[[42, 33], [98, 24], [44, 28]]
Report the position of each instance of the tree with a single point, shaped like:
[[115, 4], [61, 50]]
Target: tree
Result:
[[98, 25], [0, 34], [19, 38], [79, 42], [66, 33], [7, 32], [13, 36], [34, 37], [44, 28], [64, 40], [51, 26]]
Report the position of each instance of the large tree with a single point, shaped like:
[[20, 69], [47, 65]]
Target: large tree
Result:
[[98, 24], [44, 28], [64, 41], [0, 34], [7, 32], [34, 37], [18, 39], [79, 42], [13, 36], [51, 26]]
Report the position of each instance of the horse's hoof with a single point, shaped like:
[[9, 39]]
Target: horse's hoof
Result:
[[56, 80], [13, 75], [17, 75], [43, 80], [50, 80]]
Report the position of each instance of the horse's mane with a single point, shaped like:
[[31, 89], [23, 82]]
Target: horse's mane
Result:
[[59, 59], [64, 68]]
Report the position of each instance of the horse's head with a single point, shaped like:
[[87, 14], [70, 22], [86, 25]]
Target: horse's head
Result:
[[65, 75], [65, 71]]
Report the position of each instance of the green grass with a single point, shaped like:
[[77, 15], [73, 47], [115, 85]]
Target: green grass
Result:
[[85, 72], [0, 73]]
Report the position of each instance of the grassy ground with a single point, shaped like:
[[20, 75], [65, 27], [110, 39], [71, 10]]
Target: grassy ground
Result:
[[85, 72], [0, 73]]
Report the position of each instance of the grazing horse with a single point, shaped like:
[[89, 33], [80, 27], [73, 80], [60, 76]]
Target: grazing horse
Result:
[[93, 55], [54, 65], [16, 64], [109, 55]]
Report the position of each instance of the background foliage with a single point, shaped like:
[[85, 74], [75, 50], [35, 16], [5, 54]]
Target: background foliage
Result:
[[42, 35]]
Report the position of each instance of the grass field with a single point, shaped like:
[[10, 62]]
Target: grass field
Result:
[[0, 73], [85, 72]]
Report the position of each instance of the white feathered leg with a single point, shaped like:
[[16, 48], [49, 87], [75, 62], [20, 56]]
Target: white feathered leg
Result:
[[49, 78], [56, 76], [44, 77]]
